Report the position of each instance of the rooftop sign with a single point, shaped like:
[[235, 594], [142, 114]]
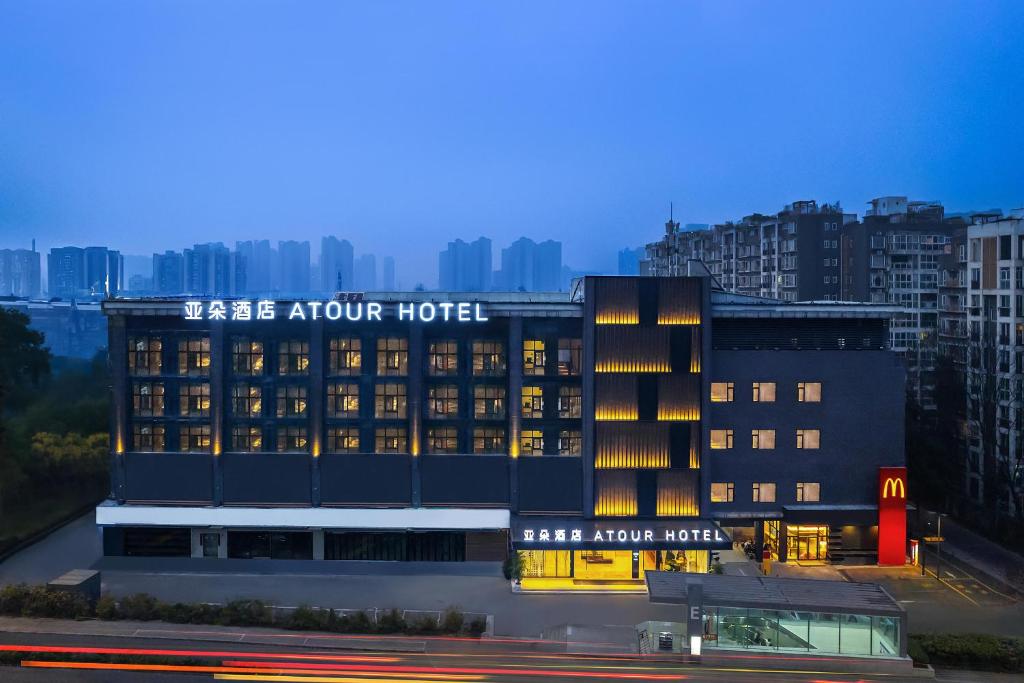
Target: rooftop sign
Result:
[[426, 311]]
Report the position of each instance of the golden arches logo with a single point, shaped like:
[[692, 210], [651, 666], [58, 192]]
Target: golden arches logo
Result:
[[894, 488]]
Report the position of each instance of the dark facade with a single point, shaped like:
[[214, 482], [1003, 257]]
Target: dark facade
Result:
[[583, 432]]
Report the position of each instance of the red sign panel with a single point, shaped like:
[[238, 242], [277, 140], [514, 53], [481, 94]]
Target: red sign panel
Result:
[[892, 515]]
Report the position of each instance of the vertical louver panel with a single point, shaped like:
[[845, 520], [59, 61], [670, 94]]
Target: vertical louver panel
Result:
[[632, 446], [679, 301], [616, 301], [695, 447], [679, 398], [695, 351], [677, 494], [615, 494], [631, 349], [615, 397]]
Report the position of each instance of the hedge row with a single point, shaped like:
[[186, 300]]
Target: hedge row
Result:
[[38, 601], [975, 651]]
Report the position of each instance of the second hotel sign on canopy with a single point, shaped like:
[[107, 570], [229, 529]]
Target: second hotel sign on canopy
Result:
[[426, 311]]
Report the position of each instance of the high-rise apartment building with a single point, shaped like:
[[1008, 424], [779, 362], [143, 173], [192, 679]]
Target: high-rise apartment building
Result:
[[629, 261], [465, 267], [258, 257], [387, 274], [169, 273], [73, 272], [527, 266], [366, 273], [336, 265], [212, 269], [20, 273], [293, 270]]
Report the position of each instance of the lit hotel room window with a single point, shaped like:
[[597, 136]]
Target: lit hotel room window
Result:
[[247, 357], [722, 492], [443, 358], [246, 400], [391, 440], [533, 357], [144, 355], [343, 399], [808, 492], [764, 392], [488, 358], [193, 438], [570, 442], [443, 400], [149, 438], [570, 356], [291, 401], [345, 356], [148, 399], [764, 492], [343, 440], [489, 401], [721, 439], [808, 392], [763, 439], [570, 402], [246, 438], [531, 442], [393, 357], [293, 358], [488, 440], [442, 440], [533, 402], [721, 392], [194, 399], [291, 439], [194, 356], [808, 438], [389, 401]]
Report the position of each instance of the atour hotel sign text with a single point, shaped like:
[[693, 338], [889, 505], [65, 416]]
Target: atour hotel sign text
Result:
[[425, 311]]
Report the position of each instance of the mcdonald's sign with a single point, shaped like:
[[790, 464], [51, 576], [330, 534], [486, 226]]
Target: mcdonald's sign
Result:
[[892, 515]]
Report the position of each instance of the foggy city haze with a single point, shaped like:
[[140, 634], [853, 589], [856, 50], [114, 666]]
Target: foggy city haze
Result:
[[402, 126]]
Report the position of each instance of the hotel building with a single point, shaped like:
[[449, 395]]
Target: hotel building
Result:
[[636, 423]]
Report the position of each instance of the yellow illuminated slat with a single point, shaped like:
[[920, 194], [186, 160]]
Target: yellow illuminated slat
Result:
[[678, 398], [672, 319], [633, 350], [616, 495], [679, 301], [616, 301], [694, 448], [632, 446], [695, 351], [678, 413], [633, 365], [677, 495]]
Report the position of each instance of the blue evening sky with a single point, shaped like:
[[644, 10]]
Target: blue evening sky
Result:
[[150, 125]]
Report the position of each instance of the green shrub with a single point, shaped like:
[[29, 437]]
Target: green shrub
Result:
[[452, 621], [357, 622], [392, 621], [981, 652], [205, 614], [42, 602], [140, 607], [304, 618], [331, 621], [12, 599], [916, 652], [178, 613], [246, 613], [423, 625], [477, 626], [106, 608], [512, 567]]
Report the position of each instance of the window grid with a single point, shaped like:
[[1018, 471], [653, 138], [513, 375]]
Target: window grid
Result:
[[442, 440], [488, 358], [722, 492], [533, 357], [148, 399], [247, 357], [721, 439], [570, 402], [808, 392], [443, 401], [194, 399], [570, 356], [246, 438], [194, 438], [342, 439], [391, 440], [808, 492], [764, 392], [291, 439], [763, 492], [246, 400], [489, 402], [390, 401], [531, 442], [145, 355], [808, 438], [149, 438], [533, 402], [392, 357], [292, 401], [570, 442], [343, 400], [345, 356], [443, 358], [722, 392], [488, 440], [293, 358], [762, 439], [194, 356]]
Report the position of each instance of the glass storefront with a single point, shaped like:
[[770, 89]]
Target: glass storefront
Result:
[[806, 543], [596, 567], [816, 632]]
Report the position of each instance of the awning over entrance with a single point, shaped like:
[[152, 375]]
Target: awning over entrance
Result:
[[573, 533]]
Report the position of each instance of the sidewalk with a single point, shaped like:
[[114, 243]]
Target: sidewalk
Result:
[[977, 551]]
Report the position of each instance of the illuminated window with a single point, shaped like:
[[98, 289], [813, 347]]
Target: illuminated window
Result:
[[443, 358], [533, 402], [144, 355], [149, 438], [194, 356], [763, 439], [808, 438], [721, 392], [343, 440], [489, 402], [570, 356], [808, 392], [194, 438], [570, 402], [148, 399], [443, 401], [721, 439], [442, 440], [291, 439], [393, 356], [533, 357], [764, 392], [247, 357], [291, 401], [531, 442], [293, 358], [722, 492], [488, 440], [808, 492], [246, 438], [488, 358], [345, 356], [343, 399], [246, 400], [764, 492], [194, 399], [389, 401], [570, 442]]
